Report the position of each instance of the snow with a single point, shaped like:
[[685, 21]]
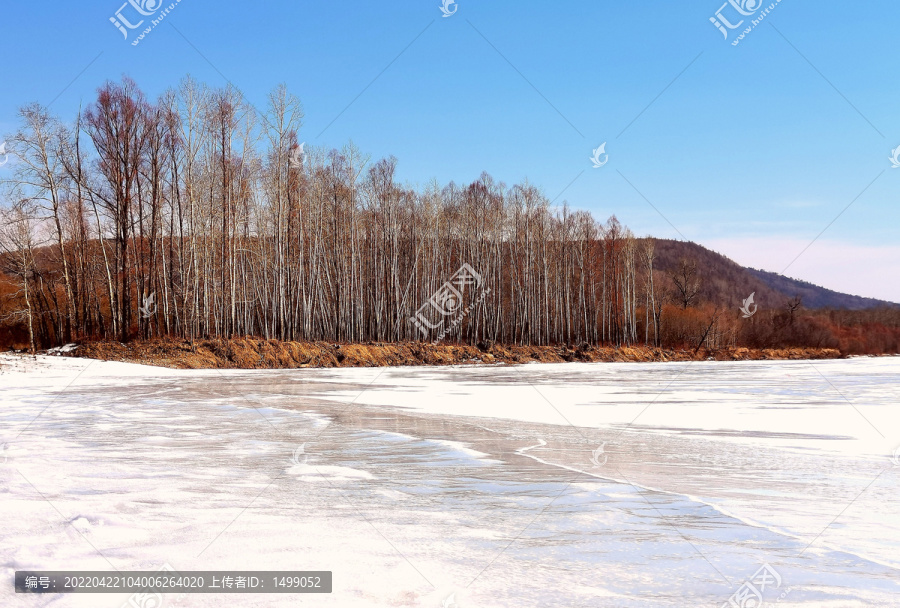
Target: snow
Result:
[[68, 348], [412, 484]]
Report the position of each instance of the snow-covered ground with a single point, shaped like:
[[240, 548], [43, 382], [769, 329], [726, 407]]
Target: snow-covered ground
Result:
[[664, 484]]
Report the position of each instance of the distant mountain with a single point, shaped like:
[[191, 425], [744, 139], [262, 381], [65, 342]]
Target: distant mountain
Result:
[[815, 296], [726, 282]]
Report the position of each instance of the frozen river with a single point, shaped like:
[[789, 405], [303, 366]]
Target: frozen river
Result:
[[616, 485]]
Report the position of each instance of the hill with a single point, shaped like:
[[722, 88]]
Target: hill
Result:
[[723, 281]]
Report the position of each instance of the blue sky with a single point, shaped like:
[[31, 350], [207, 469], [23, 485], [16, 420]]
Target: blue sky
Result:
[[751, 149]]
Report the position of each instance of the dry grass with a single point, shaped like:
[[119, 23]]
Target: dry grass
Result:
[[252, 353]]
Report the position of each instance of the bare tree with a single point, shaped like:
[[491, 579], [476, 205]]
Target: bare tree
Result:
[[687, 283], [654, 292], [793, 305], [39, 181], [17, 244]]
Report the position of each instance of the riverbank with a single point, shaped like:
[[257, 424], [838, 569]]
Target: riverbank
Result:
[[250, 353]]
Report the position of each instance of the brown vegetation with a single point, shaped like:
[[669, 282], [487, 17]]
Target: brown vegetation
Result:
[[249, 353]]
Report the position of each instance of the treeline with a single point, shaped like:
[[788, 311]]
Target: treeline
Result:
[[198, 216]]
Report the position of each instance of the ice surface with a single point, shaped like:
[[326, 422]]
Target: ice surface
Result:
[[555, 485]]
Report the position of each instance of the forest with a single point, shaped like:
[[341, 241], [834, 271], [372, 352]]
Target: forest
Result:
[[197, 215]]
